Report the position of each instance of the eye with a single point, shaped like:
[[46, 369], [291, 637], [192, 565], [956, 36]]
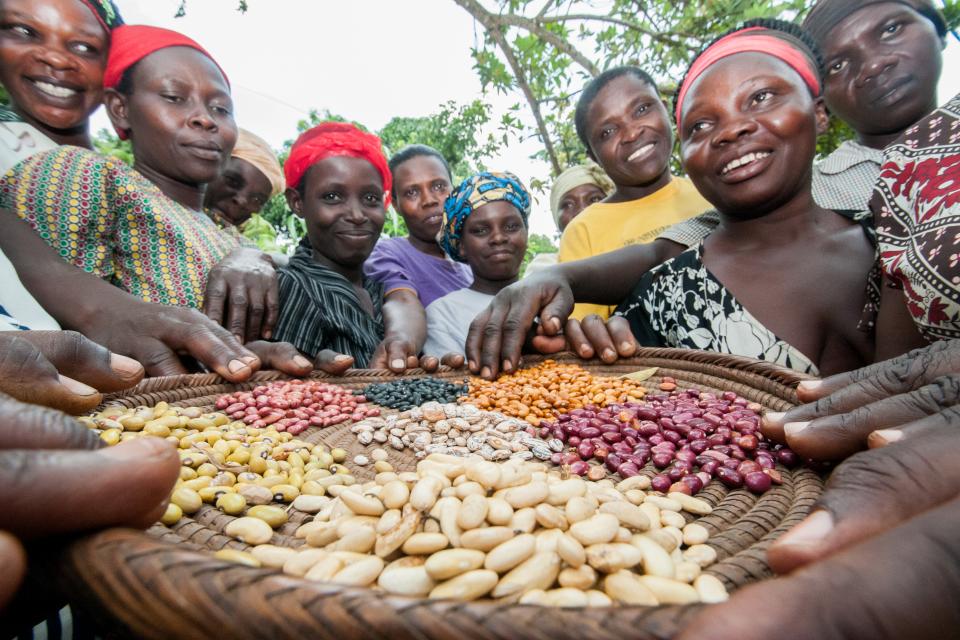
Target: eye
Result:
[[762, 96], [479, 231], [411, 193], [642, 109], [566, 204], [596, 198], [20, 30], [605, 133], [171, 98], [233, 181], [892, 29], [698, 127], [85, 49], [513, 227], [441, 187], [331, 197], [372, 199], [836, 67]]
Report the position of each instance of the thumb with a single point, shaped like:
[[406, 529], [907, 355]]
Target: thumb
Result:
[[82, 359], [554, 314], [870, 492], [332, 362], [125, 485]]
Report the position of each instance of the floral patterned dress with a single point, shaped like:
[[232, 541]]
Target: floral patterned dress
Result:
[[681, 304], [106, 218], [916, 205]]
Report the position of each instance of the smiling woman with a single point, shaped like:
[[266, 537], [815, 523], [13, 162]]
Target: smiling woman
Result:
[[781, 279]]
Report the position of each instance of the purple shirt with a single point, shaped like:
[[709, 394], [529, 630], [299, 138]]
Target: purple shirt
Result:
[[397, 264]]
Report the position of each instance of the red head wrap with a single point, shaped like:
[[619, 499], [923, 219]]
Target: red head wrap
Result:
[[332, 140], [131, 43], [753, 39]]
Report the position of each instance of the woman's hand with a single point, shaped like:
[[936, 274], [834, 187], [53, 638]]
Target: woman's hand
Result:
[[886, 399], [397, 353], [243, 295], [608, 340], [62, 369]]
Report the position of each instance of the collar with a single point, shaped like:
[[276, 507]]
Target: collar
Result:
[[848, 155]]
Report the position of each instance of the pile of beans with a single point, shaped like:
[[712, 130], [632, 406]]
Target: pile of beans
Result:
[[411, 392], [541, 392], [238, 468], [690, 436], [466, 528], [295, 405], [456, 430]]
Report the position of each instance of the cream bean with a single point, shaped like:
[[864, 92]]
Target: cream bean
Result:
[[596, 529], [625, 586], [511, 553], [709, 589], [668, 591], [485, 539], [467, 586], [446, 564], [538, 572], [249, 530], [425, 543]]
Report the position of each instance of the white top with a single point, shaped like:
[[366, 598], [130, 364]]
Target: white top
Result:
[[18, 309], [449, 318]]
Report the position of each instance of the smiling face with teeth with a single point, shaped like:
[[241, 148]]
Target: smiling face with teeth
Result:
[[52, 56], [749, 135]]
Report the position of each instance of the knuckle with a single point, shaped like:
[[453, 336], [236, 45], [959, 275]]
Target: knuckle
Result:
[[491, 330], [942, 392]]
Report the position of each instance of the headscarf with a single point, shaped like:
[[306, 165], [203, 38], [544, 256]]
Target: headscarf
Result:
[[779, 44], [827, 14], [574, 177], [106, 13], [256, 151], [474, 192], [333, 140]]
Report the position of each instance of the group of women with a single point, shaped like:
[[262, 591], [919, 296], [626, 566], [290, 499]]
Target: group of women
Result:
[[760, 251]]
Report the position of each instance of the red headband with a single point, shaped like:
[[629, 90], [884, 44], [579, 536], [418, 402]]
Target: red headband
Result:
[[756, 43], [331, 140]]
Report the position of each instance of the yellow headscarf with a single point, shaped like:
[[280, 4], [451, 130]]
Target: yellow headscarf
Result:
[[571, 179], [256, 151]]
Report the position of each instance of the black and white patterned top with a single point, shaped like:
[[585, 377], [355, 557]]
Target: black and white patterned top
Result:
[[319, 309], [681, 304]]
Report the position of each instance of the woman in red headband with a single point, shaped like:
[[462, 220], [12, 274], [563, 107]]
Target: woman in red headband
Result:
[[338, 181], [144, 229], [781, 279]]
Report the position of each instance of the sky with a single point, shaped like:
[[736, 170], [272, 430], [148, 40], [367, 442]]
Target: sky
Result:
[[367, 60]]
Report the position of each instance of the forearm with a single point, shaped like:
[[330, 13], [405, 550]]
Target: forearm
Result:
[[609, 277], [405, 318], [72, 296]]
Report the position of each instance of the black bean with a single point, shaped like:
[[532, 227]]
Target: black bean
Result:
[[411, 392]]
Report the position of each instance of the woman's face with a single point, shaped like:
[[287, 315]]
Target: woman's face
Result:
[[749, 134], [52, 57], [882, 65], [576, 200], [342, 204], [494, 241], [629, 132], [179, 116], [238, 192], [422, 184]]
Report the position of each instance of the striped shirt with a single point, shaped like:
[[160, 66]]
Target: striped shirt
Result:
[[319, 309]]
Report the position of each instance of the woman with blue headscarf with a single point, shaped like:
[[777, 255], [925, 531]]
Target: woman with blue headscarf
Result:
[[485, 226]]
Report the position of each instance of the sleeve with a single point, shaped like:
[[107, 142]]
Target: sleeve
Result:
[[386, 267], [67, 195], [690, 232], [444, 332]]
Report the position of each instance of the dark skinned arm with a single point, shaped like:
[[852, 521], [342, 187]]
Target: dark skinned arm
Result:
[[243, 294], [498, 334], [896, 331]]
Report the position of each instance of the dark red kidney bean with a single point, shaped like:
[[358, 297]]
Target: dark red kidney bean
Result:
[[730, 463], [757, 481], [748, 466], [699, 446], [557, 459], [580, 468], [729, 478], [612, 437], [696, 434], [788, 458], [622, 447], [630, 440], [721, 448], [694, 482], [613, 461], [775, 475], [648, 429], [574, 441], [667, 424], [629, 432], [589, 432], [672, 436], [704, 477], [645, 413], [716, 440], [660, 482], [747, 442], [680, 487], [586, 450], [686, 456], [737, 452], [570, 457], [675, 473], [662, 460], [766, 462], [628, 470]]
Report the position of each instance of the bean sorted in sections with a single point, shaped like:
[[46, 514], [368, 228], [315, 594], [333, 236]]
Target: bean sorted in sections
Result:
[[411, 392]]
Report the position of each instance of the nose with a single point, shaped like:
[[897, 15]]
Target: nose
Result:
[[874, 67], [354, 212], [632, 132], [733, 130], [498, 236], [201, 119], [55, 58]]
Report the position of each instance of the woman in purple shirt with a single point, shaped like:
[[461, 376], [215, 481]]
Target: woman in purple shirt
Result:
[[421, 183]]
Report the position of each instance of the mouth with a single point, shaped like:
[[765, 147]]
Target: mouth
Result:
[[206, 150], [503, 254], [53, 89], [744, 161], [431, 220], [891, 93], [642, 152], [356, 236]]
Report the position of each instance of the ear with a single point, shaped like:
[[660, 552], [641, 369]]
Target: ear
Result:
[[117, 109], [294, 201], [821, 115]]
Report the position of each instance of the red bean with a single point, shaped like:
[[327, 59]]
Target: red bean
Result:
[[660, 482], [757, 481], [580, 468]]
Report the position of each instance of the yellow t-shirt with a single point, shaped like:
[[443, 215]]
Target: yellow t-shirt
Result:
[[605, 227]]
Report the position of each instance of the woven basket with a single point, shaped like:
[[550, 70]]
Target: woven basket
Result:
[[159, 584]]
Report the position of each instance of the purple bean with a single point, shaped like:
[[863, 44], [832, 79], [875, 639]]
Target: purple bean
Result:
[[757, 481], [660, 482], [729, 478]]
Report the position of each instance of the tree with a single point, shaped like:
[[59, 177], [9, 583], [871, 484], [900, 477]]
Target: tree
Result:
[[546, 50], [536, 244]]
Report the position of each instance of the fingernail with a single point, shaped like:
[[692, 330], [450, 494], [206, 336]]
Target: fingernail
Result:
[[343, 358], [127, 367], [76, 387], [609, 354], [555, 323], [267, 335], [773, 417], [300, 361], [507, 366], [238, 337], [793, 428], [810, 385], [485, 373], [236, 366], [472, 365], [250, 360], [886, 436], [584, 351], [810, 532], [137, 449], [398, 363]]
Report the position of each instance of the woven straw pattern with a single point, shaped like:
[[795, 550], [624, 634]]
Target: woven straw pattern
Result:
[[157, 585]]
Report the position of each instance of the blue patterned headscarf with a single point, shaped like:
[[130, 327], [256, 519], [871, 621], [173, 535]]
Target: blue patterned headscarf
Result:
[[474, 192]]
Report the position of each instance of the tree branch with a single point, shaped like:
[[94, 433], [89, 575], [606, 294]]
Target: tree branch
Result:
[[672, 39]]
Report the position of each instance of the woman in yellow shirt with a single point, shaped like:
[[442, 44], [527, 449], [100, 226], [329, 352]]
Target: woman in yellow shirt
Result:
[[624, 125]]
